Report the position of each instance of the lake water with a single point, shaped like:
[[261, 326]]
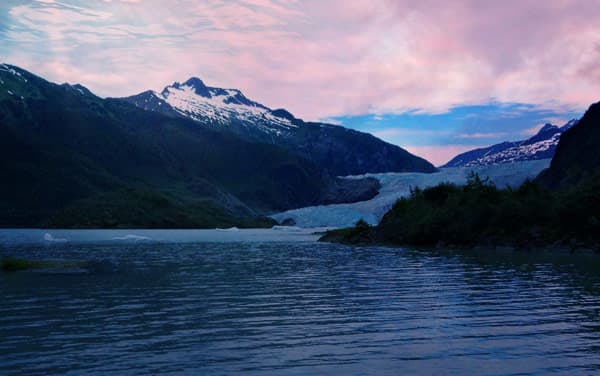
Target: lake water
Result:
[[277, 302]]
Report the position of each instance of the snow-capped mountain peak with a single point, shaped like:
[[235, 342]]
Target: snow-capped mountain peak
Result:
[[198, 85], [548, 127], [540, 146], [221, 96], [213, 106]]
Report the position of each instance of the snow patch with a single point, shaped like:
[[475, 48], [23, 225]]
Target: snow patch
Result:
[[517, 153], [222, 107], [540, 146], [6, 68]]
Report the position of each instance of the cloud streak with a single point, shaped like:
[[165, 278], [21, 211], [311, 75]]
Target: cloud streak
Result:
[[320, 58], [479, 135], [439, 154]]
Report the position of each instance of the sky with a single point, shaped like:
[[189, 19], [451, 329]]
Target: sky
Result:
[[435, 77]]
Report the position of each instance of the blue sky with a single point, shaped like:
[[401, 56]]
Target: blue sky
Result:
[[434, 79], [443, 136]]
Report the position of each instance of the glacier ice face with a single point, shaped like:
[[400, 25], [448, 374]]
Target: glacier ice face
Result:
[[396, 185]]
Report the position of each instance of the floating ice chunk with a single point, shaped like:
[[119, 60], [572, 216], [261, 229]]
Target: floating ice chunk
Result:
[[287, 228], [49, 238], [131, 237]]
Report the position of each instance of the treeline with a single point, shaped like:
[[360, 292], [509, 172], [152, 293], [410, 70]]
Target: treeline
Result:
[[480, 213]]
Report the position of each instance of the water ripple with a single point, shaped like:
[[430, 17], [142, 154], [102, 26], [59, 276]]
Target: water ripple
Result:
[[299, 308]]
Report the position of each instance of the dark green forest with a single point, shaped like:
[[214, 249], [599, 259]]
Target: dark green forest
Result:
[[479, 213]]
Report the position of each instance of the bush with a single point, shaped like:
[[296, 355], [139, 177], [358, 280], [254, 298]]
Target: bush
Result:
[[478, 212], [12, 264]]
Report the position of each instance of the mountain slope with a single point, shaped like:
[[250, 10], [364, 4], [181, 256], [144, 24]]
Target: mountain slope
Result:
[[69, 158], [540, 146], [577, 155], [339, 150]]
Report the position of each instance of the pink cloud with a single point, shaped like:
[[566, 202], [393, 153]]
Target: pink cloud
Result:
[[322, 58], [439, 155]]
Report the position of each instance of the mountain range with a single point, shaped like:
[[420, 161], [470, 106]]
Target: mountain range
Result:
[[338, 150], [540, 146], [69, 158]]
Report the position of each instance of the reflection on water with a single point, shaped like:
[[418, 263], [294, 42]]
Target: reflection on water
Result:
[[296, 307]]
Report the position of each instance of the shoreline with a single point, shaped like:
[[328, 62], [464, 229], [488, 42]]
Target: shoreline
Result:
[[362, 239]]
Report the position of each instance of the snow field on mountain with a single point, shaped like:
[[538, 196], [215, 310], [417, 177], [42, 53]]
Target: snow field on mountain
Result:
[[222, 106]]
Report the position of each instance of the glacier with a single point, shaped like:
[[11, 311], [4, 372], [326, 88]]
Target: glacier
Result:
[[396, 185]]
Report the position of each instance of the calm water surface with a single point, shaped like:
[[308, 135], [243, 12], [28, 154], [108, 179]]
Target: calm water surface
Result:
[[277, 302]]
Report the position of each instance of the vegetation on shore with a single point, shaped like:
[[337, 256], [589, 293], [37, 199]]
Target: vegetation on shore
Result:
[[479, 213], [138, 208], [15, 264]]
